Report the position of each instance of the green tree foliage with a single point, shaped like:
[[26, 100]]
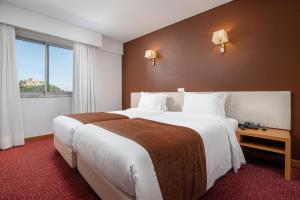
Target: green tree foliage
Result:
[[39, 88]]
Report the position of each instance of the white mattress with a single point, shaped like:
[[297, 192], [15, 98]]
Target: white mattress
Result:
[[64, 127], [128, 166]]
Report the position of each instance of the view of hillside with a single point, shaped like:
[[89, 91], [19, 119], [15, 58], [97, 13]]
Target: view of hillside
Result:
[[31, 85]]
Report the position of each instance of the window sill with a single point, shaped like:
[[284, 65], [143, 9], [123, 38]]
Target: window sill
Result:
[[49, 95]]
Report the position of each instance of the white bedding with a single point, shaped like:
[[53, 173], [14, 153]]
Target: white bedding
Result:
[[128, 166], [64, 127]]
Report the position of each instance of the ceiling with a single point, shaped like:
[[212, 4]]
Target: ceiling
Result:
[[121, 20]]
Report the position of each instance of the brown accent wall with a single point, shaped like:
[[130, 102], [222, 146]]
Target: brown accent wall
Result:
[[263, 54]]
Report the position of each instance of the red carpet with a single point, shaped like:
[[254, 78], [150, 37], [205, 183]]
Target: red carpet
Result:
[[36, 171]]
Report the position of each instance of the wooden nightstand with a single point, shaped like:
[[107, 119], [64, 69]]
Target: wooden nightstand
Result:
[[272, 140]]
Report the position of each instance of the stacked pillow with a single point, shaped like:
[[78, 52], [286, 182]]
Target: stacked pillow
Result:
[[207, 104], [153, 101]]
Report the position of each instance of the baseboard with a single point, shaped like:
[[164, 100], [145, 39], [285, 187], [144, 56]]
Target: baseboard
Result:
[[40, 137], [296, 163]]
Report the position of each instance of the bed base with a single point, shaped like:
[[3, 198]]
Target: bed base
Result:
[[104, 189], [66, 152]]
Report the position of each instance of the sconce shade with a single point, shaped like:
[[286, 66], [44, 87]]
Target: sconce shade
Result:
[[220, 37], [150, 54]]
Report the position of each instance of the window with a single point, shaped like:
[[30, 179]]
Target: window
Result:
[[60, 69], [44, 69]]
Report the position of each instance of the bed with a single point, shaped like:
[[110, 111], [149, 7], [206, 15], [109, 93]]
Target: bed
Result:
[[64, 128], [92, 142], [107, 160]]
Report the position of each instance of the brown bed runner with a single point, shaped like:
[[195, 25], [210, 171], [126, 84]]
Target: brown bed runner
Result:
[[96, 117], [177, 154]]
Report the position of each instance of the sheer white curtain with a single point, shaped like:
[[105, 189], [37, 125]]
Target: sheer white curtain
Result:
[[84, 99], [11, 122]]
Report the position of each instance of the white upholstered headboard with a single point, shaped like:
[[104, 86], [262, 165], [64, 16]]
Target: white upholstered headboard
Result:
[[269, 108]]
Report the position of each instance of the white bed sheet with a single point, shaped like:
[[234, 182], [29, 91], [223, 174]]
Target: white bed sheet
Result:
[[64, 127], [128, 166]]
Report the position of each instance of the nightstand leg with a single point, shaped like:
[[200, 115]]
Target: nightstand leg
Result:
[[238, 137], [287, 167]]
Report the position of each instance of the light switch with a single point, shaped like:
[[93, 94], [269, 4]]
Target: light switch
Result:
[[180, 89]]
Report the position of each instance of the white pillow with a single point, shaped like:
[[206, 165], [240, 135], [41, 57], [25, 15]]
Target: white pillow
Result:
[[210, 104], [153, 101]]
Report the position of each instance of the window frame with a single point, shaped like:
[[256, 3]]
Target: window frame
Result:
[[46, 93]]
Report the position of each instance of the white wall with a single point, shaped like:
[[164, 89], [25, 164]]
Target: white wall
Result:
[[23, 18], [108, 75], [112, 46], [38, 113]]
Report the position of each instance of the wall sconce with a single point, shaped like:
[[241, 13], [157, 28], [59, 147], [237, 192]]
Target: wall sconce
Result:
[[220, 38], [151, 54]]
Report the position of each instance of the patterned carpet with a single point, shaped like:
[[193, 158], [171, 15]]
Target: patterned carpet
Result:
[[36, 171]]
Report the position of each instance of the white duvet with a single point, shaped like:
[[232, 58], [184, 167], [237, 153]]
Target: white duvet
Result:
[[64, 127], [128, 166]]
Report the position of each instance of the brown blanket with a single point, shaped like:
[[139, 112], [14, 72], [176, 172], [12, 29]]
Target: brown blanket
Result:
[[177, 154], [96, 117]]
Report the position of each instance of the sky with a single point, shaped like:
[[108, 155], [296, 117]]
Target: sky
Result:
[[31, 64]]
